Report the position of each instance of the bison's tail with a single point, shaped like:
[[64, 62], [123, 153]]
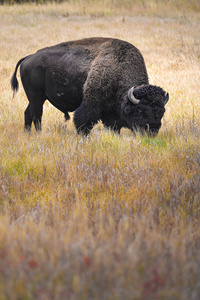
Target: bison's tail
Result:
[[14, 81]]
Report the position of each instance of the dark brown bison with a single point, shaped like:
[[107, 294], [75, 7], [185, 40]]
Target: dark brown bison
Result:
[[98, 78]]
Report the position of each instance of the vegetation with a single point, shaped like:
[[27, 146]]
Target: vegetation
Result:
[[118, 6], [108, 216]]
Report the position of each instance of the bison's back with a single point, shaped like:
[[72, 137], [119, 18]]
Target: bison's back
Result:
[[89, 69]]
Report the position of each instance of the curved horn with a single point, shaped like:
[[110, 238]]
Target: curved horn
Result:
[[131, 97], [166, 98]]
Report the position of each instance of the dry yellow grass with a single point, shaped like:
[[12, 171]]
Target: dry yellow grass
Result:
[[108, 216]]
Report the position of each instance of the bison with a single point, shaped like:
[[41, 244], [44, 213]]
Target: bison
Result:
[[98, 78]]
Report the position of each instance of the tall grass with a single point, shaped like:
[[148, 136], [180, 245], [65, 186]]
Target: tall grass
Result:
[[108, 216]]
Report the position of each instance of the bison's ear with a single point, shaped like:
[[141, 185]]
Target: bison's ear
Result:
[[127, 106]]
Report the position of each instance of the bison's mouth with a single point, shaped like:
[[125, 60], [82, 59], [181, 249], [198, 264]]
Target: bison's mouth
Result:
[[145, 131]]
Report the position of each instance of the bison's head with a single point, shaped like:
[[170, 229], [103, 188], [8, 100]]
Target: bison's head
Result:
[[143, 108]]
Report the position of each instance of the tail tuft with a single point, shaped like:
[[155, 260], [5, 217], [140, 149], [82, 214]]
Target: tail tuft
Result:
[[14, 81]]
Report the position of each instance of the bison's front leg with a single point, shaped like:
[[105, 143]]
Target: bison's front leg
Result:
[[112, 121], [85, 118], [113, 127]]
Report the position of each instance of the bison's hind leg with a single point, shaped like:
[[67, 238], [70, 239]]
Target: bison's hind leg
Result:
[[28, 118], [85, 118], [67, 117], [34, 110], [33, 113]]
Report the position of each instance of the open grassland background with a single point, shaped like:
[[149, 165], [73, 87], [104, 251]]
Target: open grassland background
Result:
[[108, 216]]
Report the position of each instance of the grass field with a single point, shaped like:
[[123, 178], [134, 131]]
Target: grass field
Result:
[[106, 217]]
